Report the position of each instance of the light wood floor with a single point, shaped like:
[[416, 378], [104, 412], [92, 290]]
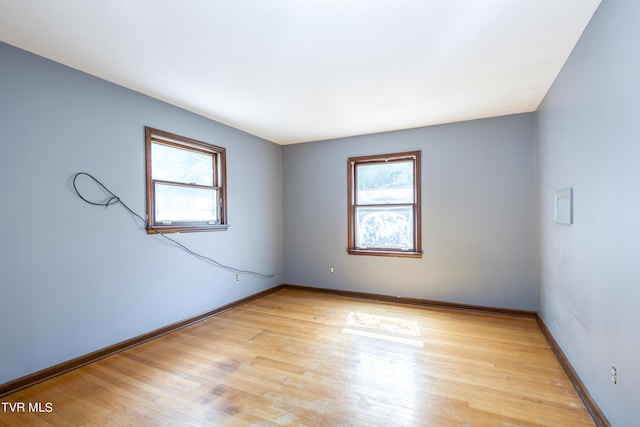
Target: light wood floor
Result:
[[305, 358]]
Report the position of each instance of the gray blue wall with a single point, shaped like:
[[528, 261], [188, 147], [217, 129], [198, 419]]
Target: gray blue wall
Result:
[[76, 278], [588, 138], [478, 215]]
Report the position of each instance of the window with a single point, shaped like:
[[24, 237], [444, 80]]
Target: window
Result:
[[384, 205], [186, 184]]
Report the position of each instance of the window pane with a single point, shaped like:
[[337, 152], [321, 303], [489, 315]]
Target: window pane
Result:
[[385, 183], [176, 203], [180, 165], [390, 227]]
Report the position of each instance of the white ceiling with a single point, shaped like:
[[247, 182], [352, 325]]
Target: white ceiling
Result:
[[303, 70]]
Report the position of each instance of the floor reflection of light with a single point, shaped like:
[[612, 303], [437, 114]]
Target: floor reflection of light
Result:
[[386, 383], [385, 337], [392, 329]]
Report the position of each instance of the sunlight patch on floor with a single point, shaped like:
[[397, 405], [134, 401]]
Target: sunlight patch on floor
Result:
[[391, 329]]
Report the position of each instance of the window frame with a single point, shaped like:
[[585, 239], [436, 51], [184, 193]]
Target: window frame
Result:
[[219, 182], [352, 185]]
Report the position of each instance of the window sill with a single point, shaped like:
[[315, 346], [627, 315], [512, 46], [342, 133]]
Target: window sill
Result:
[[382, 252], [185, 229]]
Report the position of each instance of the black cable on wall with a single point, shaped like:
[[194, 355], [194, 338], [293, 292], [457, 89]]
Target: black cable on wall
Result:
[[114, 199]]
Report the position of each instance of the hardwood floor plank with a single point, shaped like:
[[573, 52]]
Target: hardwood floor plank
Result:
[[296, 357]]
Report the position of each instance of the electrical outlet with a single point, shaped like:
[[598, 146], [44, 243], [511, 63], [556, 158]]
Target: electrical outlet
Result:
[[332, 269], [614, 374], [237, 277]]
